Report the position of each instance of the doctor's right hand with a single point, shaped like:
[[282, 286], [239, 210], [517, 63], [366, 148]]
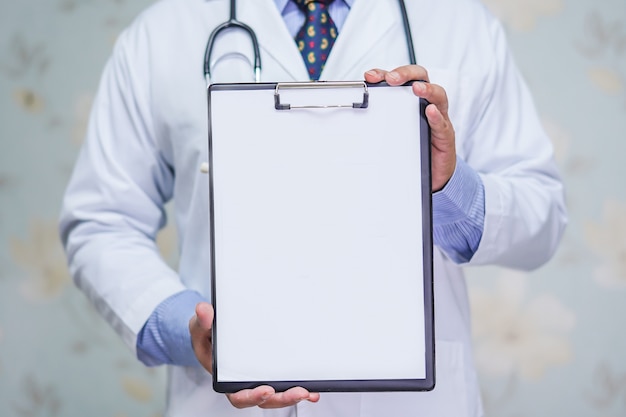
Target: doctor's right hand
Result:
[[263, 396]]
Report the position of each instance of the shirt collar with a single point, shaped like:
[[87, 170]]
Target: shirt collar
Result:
[[281, 4]]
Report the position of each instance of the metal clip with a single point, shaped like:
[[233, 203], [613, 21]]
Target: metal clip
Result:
[[321, 84]]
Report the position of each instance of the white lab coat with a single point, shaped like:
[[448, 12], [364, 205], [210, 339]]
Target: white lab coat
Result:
[[148, 138]]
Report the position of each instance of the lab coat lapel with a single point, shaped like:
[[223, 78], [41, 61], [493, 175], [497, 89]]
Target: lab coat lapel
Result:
[[274, 38], [366, 24]]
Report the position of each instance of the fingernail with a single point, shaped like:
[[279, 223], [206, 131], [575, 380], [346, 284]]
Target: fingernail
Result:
[[419, 86], [393, 75], [372, 73]]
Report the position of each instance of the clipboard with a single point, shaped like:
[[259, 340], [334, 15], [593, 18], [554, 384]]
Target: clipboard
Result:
[[321, 237]]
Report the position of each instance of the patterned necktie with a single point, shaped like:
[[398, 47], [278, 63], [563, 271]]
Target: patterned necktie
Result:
[[317, 35]]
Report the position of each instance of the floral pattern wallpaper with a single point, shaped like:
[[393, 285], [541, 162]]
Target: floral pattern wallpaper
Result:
[[547, 343]]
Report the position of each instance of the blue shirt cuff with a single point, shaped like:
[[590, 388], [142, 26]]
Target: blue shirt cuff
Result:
[[165, 337], [459, 214]]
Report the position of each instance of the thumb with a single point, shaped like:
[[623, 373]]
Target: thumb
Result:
[[200, 330], [204, 316]]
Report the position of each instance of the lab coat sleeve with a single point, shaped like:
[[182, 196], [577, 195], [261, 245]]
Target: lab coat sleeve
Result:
[[114, 203], [525, 212]]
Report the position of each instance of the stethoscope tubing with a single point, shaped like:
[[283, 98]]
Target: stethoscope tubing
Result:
[[232, 23]]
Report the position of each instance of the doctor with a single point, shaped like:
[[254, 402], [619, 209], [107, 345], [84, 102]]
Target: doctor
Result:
[[497, 195]]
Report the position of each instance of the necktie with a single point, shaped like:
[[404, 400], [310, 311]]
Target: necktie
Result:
[[317, 35]]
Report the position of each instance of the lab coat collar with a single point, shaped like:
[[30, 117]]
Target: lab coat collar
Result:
[[365, 25]]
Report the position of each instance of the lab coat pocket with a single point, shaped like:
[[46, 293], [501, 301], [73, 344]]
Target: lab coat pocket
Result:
[[447, 399]]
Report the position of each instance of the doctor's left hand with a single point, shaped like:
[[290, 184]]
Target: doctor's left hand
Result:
[[443, 155], [263, 396]]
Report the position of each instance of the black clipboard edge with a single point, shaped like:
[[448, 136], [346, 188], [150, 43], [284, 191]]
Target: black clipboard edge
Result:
[[427, 224], [381, 385]]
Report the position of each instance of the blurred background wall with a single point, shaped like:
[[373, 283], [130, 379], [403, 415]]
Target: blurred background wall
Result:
[[548, 343]]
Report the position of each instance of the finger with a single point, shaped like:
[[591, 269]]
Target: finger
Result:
[[251, 397], [442, 132], [204, 313], [375, 75], [405, 74], [440, 126], [434, 94], [201, 338], [443, 147], [290, 397], [201, 323]]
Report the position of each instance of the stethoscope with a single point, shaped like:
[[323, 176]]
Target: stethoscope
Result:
[[233, 23]]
